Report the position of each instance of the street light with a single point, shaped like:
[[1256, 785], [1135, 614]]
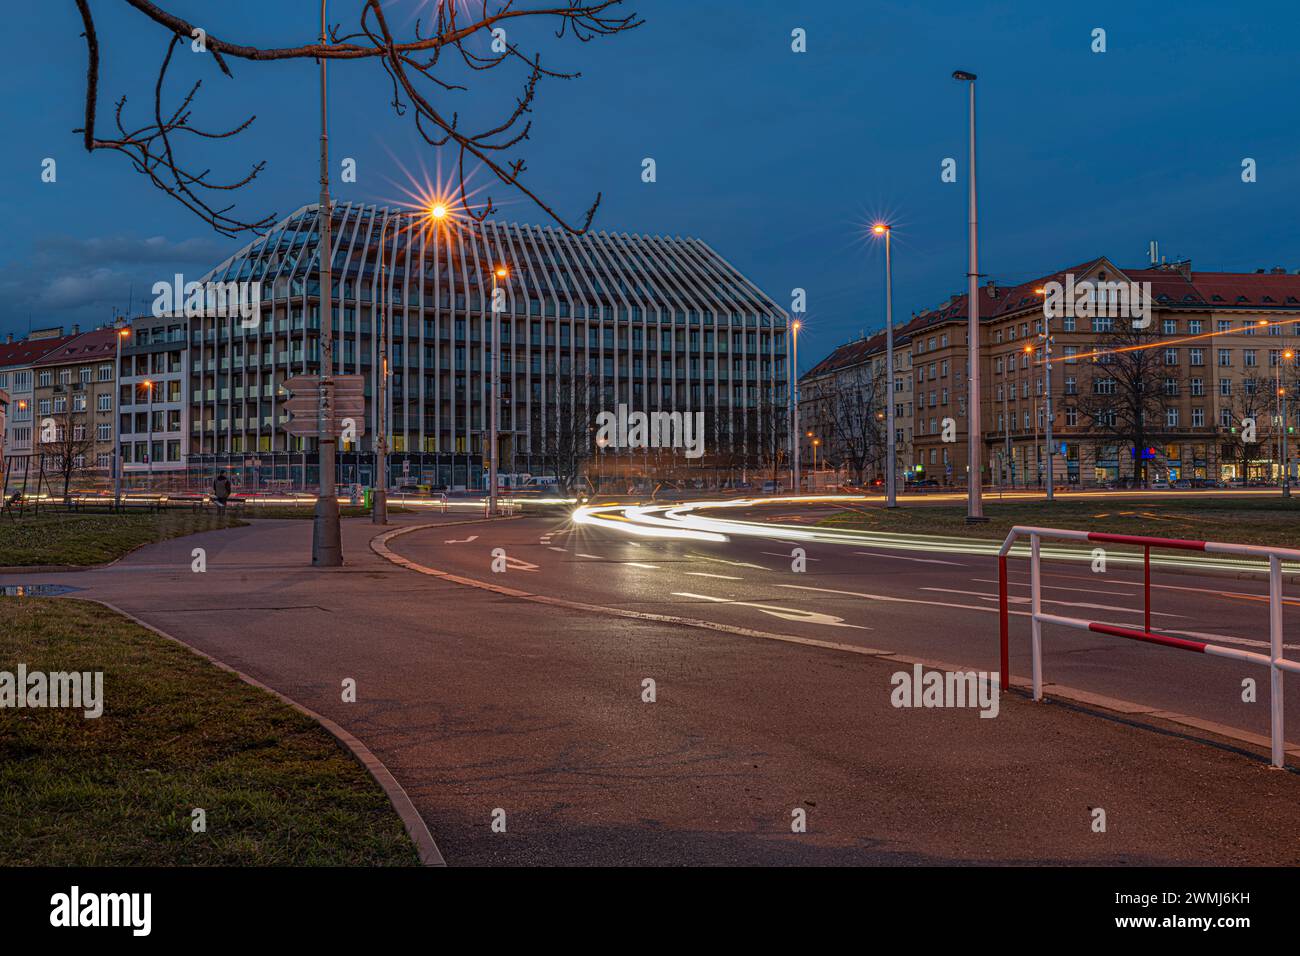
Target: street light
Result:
[[794, 404], [149, 434], [326, 543], [891, 464], [1046, 337], [974, 499], [1287, 356], [122, 333], [500, 273], [379, 488]]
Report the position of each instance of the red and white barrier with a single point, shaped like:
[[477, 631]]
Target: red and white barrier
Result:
[[1274, 660]]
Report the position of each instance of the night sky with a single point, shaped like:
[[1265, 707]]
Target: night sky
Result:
[[779, 160]]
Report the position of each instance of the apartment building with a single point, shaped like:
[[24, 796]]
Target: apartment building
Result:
[[17, 378], [75, 394], [153, 408], [1219, 348], [653, 323]]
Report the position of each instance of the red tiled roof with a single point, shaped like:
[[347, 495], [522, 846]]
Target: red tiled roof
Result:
[[86, 347], [27, 351]]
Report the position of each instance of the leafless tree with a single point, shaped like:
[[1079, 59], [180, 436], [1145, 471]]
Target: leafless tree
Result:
[[66, 447], [847, 414], [1252, 411], [570, 427], [421, 68], [1127, 388]]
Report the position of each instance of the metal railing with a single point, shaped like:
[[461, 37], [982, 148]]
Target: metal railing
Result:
[[1275, 660]]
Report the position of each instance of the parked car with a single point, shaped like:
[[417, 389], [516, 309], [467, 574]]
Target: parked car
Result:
[[771, 487]]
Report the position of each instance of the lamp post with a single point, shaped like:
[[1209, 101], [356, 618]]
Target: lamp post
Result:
[[891, 465], [794, 405], [494, 386], [326, 545], [379, 488], [1287, 356], [974, 497], [117, 421], [149, 434], [1046, 338]]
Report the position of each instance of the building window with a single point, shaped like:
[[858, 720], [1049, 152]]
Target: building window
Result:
[[1198, 417], [1171, 417], [1225, 358]]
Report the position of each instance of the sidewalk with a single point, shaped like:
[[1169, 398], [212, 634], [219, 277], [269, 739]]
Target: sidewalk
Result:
[[476, 702]]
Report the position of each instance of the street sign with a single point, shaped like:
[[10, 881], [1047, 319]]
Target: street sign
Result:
[[303, 403]]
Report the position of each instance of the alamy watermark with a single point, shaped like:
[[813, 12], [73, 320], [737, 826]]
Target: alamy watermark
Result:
[[921, 688], [623, 429], [1099, 299], [76, 689], [204, 299]]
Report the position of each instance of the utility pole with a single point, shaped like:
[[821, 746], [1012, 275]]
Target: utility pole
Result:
[[326, 544], [975, 469]]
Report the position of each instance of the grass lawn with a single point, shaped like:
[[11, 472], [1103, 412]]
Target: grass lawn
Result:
[[1256, 520], [176, 733], [67, 537]]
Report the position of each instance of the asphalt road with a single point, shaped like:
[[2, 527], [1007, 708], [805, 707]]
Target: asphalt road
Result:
[[933, 605], [481, 702]]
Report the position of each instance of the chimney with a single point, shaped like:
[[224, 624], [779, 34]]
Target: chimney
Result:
[[1154, 250], [9, 339], [1279, 271], [993, 289], [76, 330]]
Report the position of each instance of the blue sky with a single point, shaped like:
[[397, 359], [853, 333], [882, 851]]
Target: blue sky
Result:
[[777, 159]]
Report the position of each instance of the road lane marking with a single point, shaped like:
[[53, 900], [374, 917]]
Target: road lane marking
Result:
[[594, 556], [778, 554], [635, 564], [554, 548], [705, 574], [472, 537], [1056, 587], [1024, 600], [785, 613], [738, 564], [899, 557]]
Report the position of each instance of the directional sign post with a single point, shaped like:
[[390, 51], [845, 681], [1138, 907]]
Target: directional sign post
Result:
[[303, 404]]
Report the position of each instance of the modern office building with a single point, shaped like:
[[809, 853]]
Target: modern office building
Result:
[[653, 323]]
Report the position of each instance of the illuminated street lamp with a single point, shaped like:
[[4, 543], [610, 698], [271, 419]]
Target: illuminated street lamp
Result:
[[1287, 356], [122, 333], [794, 404], [149, 434], [891, 466], [1046, 337], [500, 273]]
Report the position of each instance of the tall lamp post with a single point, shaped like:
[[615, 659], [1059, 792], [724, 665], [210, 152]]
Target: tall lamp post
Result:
[[494, 386], [117, 421], [891, 465], [326, 544], [1287, 355], [148, 384], [975, 470], [794, 405], [379, 489], [1046, 338]]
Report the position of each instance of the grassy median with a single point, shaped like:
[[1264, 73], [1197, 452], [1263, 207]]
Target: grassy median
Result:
[[1270, 520], [176, 734], [56, 536]]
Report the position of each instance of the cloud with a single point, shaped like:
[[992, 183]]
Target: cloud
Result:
[[87, 280]]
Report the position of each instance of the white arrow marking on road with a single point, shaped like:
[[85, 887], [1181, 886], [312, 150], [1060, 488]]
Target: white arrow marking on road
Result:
[[778, 554], [472, 537], [899, 557], [517, 564], [785, 613], [705, 574]]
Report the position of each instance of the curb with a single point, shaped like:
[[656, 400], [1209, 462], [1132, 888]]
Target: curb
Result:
[[379, 545], [415, 826]]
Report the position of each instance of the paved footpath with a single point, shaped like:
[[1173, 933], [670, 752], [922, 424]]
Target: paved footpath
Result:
[[478, 702]]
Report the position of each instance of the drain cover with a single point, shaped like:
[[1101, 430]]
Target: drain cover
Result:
[[36, 590]]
